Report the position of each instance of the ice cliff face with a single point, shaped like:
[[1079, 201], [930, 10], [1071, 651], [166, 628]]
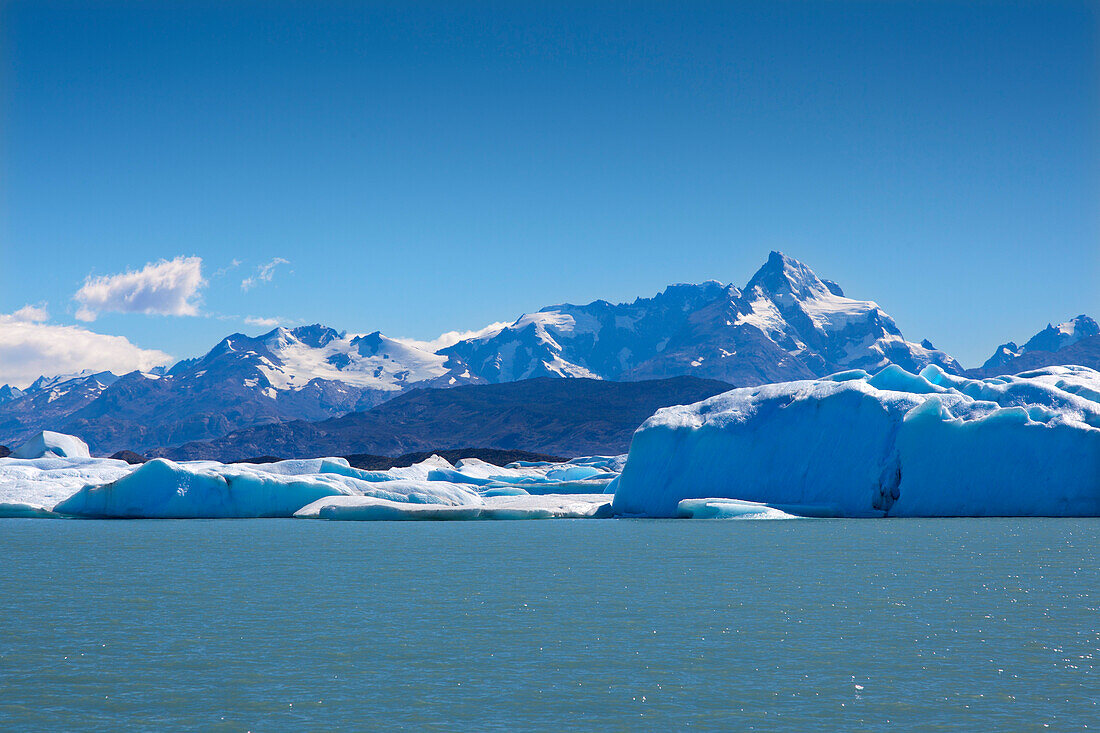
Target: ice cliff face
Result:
[[895, 444]]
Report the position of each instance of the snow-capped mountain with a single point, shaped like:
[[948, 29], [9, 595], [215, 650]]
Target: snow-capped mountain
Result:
[[48, 400], [785, 324], [290, 360], [1076, 341]]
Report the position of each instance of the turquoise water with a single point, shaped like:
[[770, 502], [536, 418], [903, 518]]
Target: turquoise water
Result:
[[785, 625]]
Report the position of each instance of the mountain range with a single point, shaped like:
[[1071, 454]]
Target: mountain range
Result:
[[785, 323], [563, 417], [1076, 341]]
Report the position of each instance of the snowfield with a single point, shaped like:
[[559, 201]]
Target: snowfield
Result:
[[849, 445], [891, 444]]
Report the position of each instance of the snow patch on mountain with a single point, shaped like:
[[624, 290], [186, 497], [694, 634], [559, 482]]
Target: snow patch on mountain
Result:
[[372, 360]]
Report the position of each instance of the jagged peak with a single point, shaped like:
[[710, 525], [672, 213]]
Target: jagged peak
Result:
[[1054, 337], [369, 344], [9, 393], [705, 287], [316, 335], [45, 382], [1081, 325], [783, 275]]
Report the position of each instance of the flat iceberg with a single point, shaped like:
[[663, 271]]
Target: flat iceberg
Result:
[[892, 444], [728, 509], [546, 506]]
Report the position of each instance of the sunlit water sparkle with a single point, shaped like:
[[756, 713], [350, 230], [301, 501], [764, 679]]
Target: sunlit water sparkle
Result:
[[796, 625]]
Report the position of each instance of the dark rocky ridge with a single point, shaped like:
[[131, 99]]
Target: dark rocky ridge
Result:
[[558, 417], [130, 457]]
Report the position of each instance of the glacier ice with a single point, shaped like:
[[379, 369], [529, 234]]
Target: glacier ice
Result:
[[546, 506], [32, 487], [892, 443], [161, 488], [718, 508], [58, 486], [48, 442]]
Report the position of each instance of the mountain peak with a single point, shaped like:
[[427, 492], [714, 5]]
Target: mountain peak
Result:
[[316, 335], [1065, 334], [369, 344], [1050, 340], [783, 275], [9, 393]]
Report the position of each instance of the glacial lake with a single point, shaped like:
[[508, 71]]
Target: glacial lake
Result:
[[554, 625]]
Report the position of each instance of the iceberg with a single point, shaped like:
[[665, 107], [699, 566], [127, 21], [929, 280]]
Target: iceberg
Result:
[[728, 509], [546, 506], [53, 485], [51, 443], [32, 487], [894, 443], [163, 489], [540, 478]]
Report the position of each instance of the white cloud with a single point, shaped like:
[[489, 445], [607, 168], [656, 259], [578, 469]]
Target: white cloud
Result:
[[264, 273], [167, 287], [450, 338], [30, 348], [32, 313], [262, 322]]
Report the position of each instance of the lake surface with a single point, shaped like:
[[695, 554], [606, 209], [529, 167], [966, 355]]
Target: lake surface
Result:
[[594, 625]]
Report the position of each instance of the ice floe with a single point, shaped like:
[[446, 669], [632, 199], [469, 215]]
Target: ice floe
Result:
[[59, 486]]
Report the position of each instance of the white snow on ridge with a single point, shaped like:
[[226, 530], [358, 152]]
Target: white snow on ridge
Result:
[[360, 360], [1073, 331], [833, 312]]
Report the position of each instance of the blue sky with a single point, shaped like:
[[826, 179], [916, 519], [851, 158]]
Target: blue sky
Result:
[[423, 167]]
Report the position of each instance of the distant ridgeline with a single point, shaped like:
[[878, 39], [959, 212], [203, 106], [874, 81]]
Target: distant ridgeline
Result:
[[786, 323], [553, 417]]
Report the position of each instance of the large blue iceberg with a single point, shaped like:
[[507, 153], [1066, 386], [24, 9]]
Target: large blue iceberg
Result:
[[891, 444]]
